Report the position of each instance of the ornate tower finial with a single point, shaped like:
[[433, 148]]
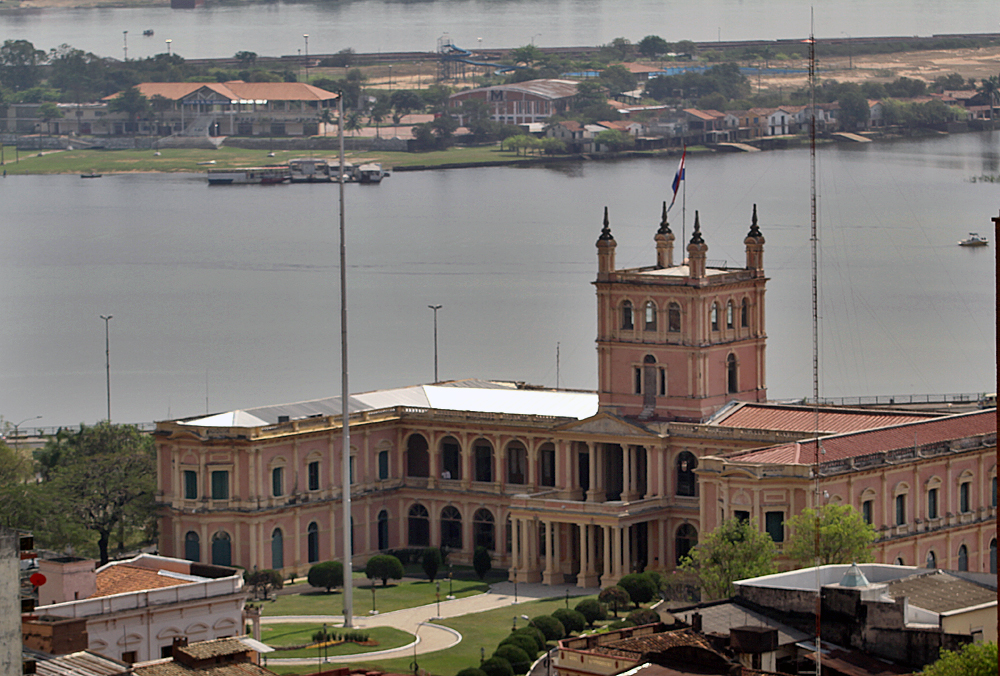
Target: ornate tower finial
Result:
[[606, 230], [755, 245], [664, 226], [605, 250], [664, 242], [696, 251], [696, 235]]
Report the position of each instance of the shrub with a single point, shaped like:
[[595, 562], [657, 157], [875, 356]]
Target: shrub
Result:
[[383, 567], [535, 633], [550, 626], [519, 660], [482, 562], [263, 581], [592, 611], [620, 624], [639, 587], [328, 574], [657, 579], [431, 562], [615, 597], [526, 643], [497, 666], [642, 616], [572, 621], [471, 671]]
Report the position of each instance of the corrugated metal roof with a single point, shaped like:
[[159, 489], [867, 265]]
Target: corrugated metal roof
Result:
[[751, 415], [549, 89], [720, 618], [83, 663], [940, 592], [856, 444]]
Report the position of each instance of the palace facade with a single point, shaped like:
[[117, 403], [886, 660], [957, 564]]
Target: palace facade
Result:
[[560, 486]]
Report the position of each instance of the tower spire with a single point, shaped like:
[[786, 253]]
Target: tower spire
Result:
[[664, 242], [606, 250], [696, 251], [755, 245]]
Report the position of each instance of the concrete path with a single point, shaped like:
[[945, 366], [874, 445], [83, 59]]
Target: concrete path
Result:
[[418, 621]]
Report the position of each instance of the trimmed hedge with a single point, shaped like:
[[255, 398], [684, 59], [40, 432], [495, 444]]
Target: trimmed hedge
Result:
[[550, 626], [535, 633], [642, 616], [572, 621], [519, 660], [526, 643], [592, 611], [497, 666]]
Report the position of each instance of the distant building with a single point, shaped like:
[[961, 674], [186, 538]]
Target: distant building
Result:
[[134, 609], [518, 103]]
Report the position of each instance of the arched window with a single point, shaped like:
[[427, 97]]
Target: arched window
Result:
[[517, 463], [732, 375], [418, 460], [383, 530], [383, 465], [931, 559], [451, 528], [649, 380], [993, 556], [451, 459], [729, 315], [192, 546], [686, 464], [483, 531], [715, 316], [674, 318], [965, 494], [963, 559], [650, 323], [222, 553], [745, 313], [899, 561], [484, 460], [419, 526], [685, 540], [312, 542], [277, 550], [627, 322], [278, 481]]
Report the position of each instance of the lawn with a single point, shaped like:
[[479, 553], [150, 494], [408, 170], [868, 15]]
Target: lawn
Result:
[[479, 630], [297, 634], [406, 593]]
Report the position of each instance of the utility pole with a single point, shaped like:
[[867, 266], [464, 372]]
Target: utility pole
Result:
[[125, 43], [435, 308], [306, 37], [107, 356]]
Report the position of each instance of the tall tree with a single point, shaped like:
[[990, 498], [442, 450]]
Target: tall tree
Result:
[[20, 64], [652, 46], [844, 536], [736, 550], [132, 102], [973, 659], [104, 480]]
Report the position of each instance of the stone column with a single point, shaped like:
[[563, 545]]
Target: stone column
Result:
[[616, 552], [531, 564], [626, 550], [606, 579], [592, 492], [627, 473], [588, 572], [553, 573], [515, 547]]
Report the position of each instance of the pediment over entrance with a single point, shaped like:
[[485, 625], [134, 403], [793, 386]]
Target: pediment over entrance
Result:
[[605, 424]]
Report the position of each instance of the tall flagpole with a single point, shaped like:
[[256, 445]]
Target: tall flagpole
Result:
[[345, 437]]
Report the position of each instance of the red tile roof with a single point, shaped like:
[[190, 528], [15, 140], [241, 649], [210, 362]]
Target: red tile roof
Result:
[[789, 418], [856, 444], [124, 578], [237, 89]]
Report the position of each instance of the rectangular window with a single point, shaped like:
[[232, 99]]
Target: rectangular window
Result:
[[190, 485], [314, 475], [220, 484], [993, 492], [383, 465], [901, 509], [741, 515], [663, 382], [277, 481], [548, 467], [775, 524], [932, 503], [638, 380], [963, 498], [866, 511], [352, 469]]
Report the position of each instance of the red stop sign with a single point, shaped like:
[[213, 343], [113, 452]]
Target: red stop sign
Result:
[[37, 579]]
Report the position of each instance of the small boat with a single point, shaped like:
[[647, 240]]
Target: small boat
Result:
[[248, 176], [90, 175], [974, 239], [310, 170], [371, 173], [148, 32]]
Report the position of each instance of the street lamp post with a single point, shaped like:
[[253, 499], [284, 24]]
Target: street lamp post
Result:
[[168, 41], [374, 612], [514, 570], [125, 43], [435, 308], [305, 36], [451, 595], [390, 77], [438, 594], [107, 358], [17, 432]]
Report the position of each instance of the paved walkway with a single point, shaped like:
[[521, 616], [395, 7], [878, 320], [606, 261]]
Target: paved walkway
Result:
[[418, 621]]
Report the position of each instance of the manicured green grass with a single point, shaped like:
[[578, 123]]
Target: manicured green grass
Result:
[[297, 634], [399, 594]]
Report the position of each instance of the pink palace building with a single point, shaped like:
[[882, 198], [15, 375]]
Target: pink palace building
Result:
[[581, 487]]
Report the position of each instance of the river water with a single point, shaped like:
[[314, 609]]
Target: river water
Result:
[[276, 28], [228, 297]]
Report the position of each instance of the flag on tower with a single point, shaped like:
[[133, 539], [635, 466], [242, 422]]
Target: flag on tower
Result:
[[678, 177]]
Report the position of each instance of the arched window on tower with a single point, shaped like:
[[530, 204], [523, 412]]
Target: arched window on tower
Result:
[[451, 528], [483, 531], [419, 523], [627, 322], [674, 318], [650, 319], [192, 546], [732, 379], [993, 556], [686, 464], [715, 316], [729, 315], [684, 541], [745, 313]]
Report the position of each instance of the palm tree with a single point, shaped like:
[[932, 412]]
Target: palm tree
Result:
[[353, 122], [990, 88]]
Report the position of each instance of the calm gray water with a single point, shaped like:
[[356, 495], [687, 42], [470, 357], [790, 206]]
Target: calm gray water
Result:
[[233, 292], [276, 28]]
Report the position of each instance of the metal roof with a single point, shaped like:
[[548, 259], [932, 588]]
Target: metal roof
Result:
[[941, 592], [720, 618]]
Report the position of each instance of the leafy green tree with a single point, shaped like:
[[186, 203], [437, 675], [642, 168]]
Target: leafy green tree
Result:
[[17, 497], [352, 122], [383, 567], [49, 111], [973, 659], [614, 597], [404, 102], [263, 581], [589, 93], [534, 633], [652, 46], [528, 54], [482, 562], [20, 64], [104, 480], [686, 47], [430, 561], [247, 59], [524, 642], [592, 611], [714, 101], [844, 536], [854, 110], [550, 626], [436, 96], [519, 660], [639, 587], [553, 146], [989, 88], [379, 112], [620, 48], [327, 575], [131, 102], [615, 139], [497, 666], [642, 616], [573, 621], [735, 550], [617, 79]]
